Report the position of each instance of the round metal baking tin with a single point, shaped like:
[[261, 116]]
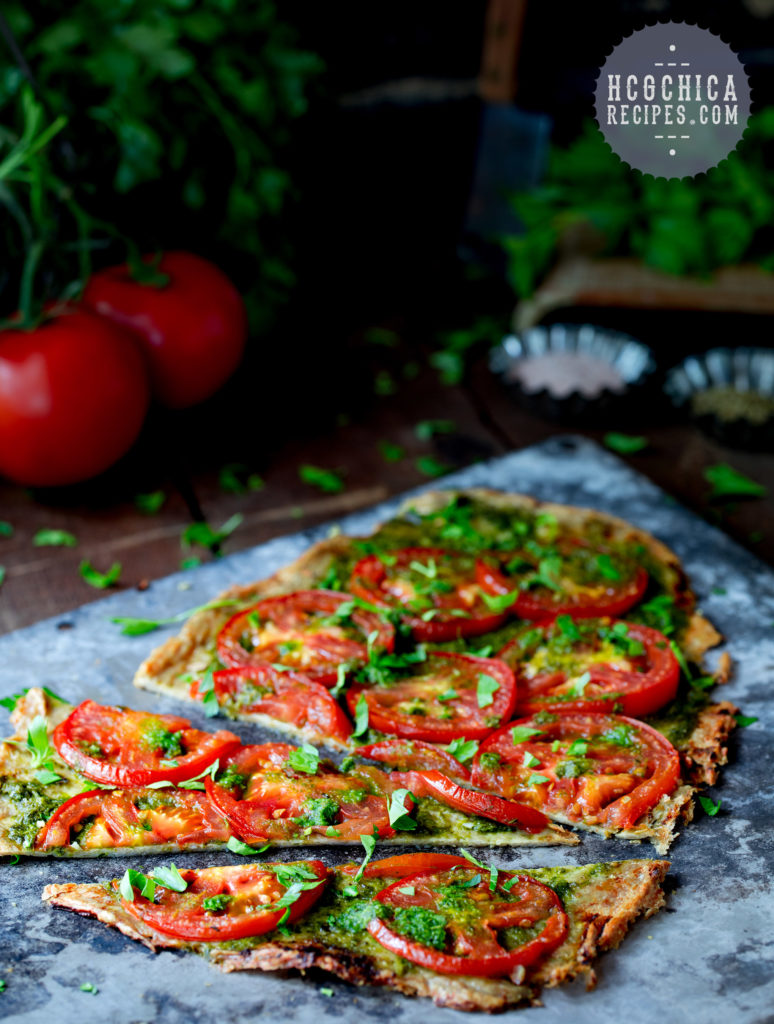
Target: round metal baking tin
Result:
[[633, 361], [743, 370]]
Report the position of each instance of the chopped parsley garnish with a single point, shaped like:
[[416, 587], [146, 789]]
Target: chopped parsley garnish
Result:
[[681, 659], [709, 806], [369, 845], [498, 603], [88, 987], [137, 627], [530, 761], [203, 535], [486, 689], [391, 452], [463, 750], [536, 779], [447, 695], [100, 580], [430, 466], [215, 903], [209, 696], [521, 733], [624, 444], [728, 482], [55, 539], [150, 503], [400, 818], [305, 758], [361, 716], [745, 720], [577, 687], [567, 627], [606, 568], [324, 480]]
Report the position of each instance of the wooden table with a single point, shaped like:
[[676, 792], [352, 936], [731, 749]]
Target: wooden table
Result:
[[45, 581]]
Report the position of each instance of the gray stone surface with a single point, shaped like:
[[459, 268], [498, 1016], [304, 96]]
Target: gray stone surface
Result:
[[708, 959]]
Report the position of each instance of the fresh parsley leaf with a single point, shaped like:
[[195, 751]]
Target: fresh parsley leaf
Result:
[[203, 535], [214, 903], [361, 716], [237, 846], [6, 530], [486, 689], [530, 761], [536, 779], [136, 627], [624, 444], [499, 602], [305, 758], [170, 878], [55, 539], [430, 466], [324, 480], [427, 429], [709, 806], [391, 452], [369, 845], [493, 871], [100, 580], [88, 987], [523, 732], [463, 750], [400, 818], [745, 720], [150, 503], [728, 482]]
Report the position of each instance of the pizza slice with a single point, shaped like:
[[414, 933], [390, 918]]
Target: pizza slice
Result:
[[450, 928], [81, 781]]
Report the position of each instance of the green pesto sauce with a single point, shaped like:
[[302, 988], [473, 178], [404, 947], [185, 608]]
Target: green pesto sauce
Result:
[[678, 719], [433, 817], [34, 803]]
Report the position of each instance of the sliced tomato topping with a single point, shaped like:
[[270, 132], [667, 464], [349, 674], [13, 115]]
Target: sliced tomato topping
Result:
[[406, 864], [135, 748], [450, 695], [103, 819], [264, 796], [452, 920], [484, 805], [592, 665], [407, 754], [234, 902], [310, 631], [572, 579], [605, 770], [284, 696], [437, 592]]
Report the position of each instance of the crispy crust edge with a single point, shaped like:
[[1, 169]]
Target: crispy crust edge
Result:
[[603, 929]]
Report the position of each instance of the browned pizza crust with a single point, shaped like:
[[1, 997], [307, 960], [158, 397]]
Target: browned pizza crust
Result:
[[706, 749], [601, 911]]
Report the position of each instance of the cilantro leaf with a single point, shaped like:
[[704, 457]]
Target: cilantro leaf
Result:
[[324, 480], [55, 539], [150, 503], [624, 444], [305, 758], [100, 580], [486, 689], [400, 818], [463, 750], [728, 482]]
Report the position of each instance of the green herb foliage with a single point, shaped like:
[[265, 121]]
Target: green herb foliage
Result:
[[625, 444], [324, 480], [99, 580], [54, 539], [728, 482]]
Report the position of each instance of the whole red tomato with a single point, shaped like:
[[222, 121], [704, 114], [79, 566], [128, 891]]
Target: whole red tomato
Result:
[[73, 395], [193, 327]]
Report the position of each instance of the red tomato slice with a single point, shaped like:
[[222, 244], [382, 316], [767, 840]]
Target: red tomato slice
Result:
[[247, 893], [135, 748], [102, 819], [580, 594], [484, 805], [551, 666], [473, 919], [264, 797], [311, 631], [436, 591], [596, 769], [408, 754], [285, 696], [407, 864], [452, 695]]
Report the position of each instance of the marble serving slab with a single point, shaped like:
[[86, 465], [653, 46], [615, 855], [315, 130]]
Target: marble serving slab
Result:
[[707, 959]]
